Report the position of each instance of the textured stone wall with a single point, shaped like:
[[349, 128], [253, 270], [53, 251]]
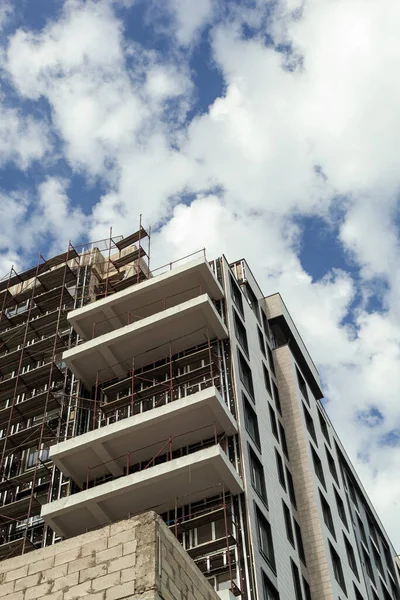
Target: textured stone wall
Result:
[[310, 521], [134, 559]]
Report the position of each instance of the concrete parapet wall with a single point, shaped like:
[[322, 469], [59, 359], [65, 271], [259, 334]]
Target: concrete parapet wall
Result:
[[134, 559]]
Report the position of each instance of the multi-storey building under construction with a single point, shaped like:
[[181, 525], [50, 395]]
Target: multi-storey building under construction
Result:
[[185, 391]]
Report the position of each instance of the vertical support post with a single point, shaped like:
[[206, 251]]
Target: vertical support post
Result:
[[148, 252], [139, 250], [215, 433], [171, 373], [210, 357], [227, 539], [176, 517], [170, 448], [133, 386], [108, 262], [95, 400]]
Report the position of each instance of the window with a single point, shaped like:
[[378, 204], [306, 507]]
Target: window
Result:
[[292, 494], [368, 565], [265, 539], [302, 386], [388, 558], [394, 589], [337, 568], [236, 295], [245, 374], [319, 471], [332, 466], [386, 594], [299, 540], [296, 581], [33, 454], [288, 523], [324, 427], [270, 592], [267, 380], [362, 531], [350, 556], [352, 491], [265, 324], [257, 476], [276, 397], [306, 588], [340, 507], [240, 331], [357, 594], [310, 425], [251, 422], [251, 299], [372, 530], [279, 467], [326, 512], [271, 360], [283, 440], [274, 426], [378, 561], [261, 341]]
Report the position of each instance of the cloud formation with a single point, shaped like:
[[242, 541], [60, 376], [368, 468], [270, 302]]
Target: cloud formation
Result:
[[307, 123]]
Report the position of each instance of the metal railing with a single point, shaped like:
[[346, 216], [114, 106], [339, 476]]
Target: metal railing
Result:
[[166, 447]]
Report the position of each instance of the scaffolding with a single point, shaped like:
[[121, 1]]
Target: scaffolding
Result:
[[42, 403], [35, 385]]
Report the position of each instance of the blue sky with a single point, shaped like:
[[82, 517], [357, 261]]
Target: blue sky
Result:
[[256, 129]]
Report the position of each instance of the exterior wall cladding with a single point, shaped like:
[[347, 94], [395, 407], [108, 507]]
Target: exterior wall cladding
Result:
[[183, 391]]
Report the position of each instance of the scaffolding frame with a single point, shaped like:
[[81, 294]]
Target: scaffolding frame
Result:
[[35, 389]]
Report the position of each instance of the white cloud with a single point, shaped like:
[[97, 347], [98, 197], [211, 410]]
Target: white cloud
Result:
[[249, 164], [190, 17]]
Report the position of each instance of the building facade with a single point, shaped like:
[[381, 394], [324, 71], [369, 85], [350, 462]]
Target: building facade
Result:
[[181, 390]]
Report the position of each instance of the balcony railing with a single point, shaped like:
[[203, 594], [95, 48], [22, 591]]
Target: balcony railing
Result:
[[166, 450], [143, 311]]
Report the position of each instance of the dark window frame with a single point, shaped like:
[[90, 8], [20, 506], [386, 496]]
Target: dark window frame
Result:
[[241, 333], [267, 379], [327, 514], [264, 532], [257, 476], [310, 424], [318, 468], [245, 377], [273, 421], [351, 557], [251, 421], [280, 469], [287, 517], [236, 294], [299, 541], [337, 568], [296, 580], [302, 385], [261, 341]]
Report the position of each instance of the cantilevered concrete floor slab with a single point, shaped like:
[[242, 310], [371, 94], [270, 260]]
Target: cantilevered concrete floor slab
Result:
[[147, 298], [145, 341], [188, 479], [105, 451]]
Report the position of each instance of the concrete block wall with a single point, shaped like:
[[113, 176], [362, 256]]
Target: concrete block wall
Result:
[[134, 559]]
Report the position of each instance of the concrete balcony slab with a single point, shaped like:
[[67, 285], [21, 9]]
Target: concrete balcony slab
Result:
[[187, 479], [113, 354], [105, 451], [145, 299]]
